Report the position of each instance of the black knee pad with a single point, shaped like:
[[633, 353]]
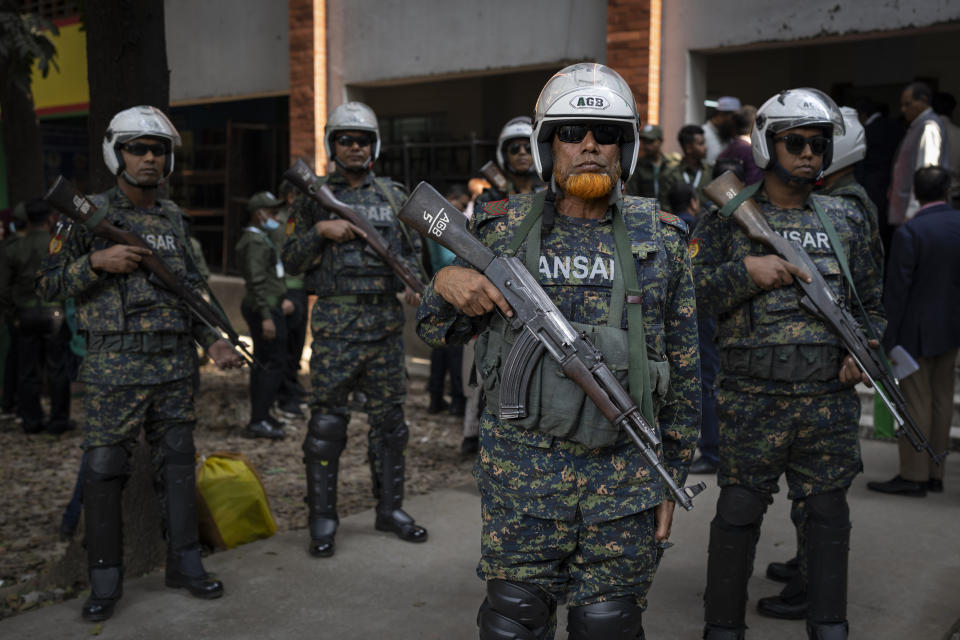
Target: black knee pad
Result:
[[514, 611], [107, 463], [394, 428], [326, 437], [176, 446], [739, 507], [617, 619], [829, 509]]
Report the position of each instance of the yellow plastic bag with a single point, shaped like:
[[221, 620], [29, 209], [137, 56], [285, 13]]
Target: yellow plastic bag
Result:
[[232, 506]]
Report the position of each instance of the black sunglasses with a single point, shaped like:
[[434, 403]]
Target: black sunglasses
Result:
[[795, 143], [348, 141], [602, 133], [515, 148], [141, 148]]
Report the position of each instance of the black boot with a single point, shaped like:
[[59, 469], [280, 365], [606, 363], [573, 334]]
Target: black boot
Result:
[[178, 495], [827, 555], [104, 475], [790, 604], [437, 405], [784, 571], [388, 487], [325, 441]]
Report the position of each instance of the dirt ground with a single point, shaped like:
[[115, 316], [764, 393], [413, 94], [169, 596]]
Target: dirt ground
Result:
[[38, 473]]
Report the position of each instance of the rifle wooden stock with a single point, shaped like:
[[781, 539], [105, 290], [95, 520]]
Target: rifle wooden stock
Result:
[[302, 177], [495, 177], [818, 299], [74, 205]]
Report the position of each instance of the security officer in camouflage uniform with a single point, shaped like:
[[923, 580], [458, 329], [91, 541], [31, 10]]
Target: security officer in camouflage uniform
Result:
[[265, 308], [786, 401], [140, 355], [849, 148], [570, 509], [515, 160], [43, 337], [357, 327]]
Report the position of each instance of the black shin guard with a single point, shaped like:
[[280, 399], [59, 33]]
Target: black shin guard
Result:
[[733, 541], [515, 611], [828, 544], [389, 490], [325, 441], [105, 473], [178, 488], [617, 619]]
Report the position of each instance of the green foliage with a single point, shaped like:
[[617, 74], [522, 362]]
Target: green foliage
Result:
[[22, 41]]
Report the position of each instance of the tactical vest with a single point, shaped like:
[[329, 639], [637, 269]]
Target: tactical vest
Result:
[[770, 336], [352, 267], [133, 303], [556, 405]]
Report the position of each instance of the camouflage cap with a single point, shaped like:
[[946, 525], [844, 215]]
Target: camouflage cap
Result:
[[263, 200], [651, 132]]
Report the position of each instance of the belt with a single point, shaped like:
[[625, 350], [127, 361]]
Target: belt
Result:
[[783, 363], [136, 342], [361, 298]]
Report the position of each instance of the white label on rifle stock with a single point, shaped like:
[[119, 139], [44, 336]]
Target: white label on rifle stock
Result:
[[437, 222], [81, 204]]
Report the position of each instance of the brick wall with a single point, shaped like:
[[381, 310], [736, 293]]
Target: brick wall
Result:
[[628, 46], [301, 80]]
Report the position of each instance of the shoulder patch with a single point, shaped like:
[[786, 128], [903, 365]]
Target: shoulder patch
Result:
[[496, 208], [673, 221], [55, 245], [693, 247]]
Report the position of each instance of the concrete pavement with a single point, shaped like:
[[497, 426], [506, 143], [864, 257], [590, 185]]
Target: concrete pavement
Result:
[[904, 578]]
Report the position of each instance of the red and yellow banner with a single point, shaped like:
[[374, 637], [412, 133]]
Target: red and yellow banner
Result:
[[64, 91]]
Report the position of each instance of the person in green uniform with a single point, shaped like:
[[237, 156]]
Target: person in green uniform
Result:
[[645, 181], [43, 338], [692, 168], [265, 308]]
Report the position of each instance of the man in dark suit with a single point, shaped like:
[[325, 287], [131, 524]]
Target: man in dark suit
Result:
[[883, 136], [923, 310]]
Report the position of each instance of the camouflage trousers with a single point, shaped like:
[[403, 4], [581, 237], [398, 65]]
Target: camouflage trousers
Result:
[[812, 439], [375, 369], [114, 414], [536, 532]]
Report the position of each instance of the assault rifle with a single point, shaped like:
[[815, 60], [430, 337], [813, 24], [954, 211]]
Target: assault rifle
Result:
[[544, 329], [66, 199], [302, 177], [819, 299], [495, 177]]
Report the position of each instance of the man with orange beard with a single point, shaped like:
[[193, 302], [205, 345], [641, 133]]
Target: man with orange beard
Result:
[[571, 511]]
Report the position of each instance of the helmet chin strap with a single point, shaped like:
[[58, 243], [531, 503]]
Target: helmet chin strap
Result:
[[789, 178], [129, 179]]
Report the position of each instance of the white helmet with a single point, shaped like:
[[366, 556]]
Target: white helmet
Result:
[[519, 127], [137, 122], [790, 109], [352, 116], [583, 92], [851, 146]]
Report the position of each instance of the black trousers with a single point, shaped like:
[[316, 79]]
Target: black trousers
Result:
[[445, 360], [10, 371], [290, 389], [265, 377], [42, 345]]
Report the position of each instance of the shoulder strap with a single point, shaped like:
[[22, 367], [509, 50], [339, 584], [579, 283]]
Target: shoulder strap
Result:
[[385, 187], [536, 210], [745, 194]]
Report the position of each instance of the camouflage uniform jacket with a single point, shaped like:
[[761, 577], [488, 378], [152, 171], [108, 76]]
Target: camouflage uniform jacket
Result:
[[129, 320], [849, 189], [756, 320], [19, 263], [645, 181], [675, 174], [258, 257], [333, 268], [492, 194], [576, 265], [279, 236]]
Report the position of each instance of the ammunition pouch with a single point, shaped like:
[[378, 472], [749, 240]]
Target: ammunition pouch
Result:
[[783, 363], [137, 342], [556, 405]]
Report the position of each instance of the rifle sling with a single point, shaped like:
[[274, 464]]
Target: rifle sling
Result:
[[625, 287]]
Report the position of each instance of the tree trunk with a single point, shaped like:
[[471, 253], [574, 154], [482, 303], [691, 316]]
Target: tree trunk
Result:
[[126, 67], [21, 140]]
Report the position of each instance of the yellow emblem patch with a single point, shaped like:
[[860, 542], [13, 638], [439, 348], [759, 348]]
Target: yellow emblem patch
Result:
[[289, 228], [56, 244], [694, 247]]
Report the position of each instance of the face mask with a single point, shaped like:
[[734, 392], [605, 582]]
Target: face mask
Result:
[[270, 224]]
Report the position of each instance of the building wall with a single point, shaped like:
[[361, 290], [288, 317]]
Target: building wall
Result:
[[219, 49], [696, 30], [449, 37]]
